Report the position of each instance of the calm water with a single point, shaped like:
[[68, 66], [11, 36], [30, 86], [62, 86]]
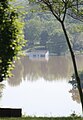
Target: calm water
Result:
[[42, 87]]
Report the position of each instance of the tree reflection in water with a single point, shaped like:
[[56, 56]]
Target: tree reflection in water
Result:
[[56, 68], [2, 86], [74, 90], [17, 74]]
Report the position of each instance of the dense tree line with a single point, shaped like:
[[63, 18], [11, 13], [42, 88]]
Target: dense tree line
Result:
[[40, 32]]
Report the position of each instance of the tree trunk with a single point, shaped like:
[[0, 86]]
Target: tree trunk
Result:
[[74, 64]]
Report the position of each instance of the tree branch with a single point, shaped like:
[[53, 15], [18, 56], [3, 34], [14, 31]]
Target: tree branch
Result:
[[65, 7], [51, 9]]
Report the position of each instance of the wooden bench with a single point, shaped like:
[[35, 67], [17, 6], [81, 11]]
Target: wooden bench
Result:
[[10, 112]]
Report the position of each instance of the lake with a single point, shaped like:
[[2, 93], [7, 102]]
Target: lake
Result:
[[41, 87]]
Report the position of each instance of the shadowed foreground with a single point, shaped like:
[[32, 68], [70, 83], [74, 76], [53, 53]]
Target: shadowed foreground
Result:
[[43, 118]]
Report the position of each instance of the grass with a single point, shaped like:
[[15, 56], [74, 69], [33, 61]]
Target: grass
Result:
[[44, 118]]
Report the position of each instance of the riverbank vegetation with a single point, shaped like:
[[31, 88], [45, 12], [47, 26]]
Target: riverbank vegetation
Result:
[[43, 31], [45, 36]]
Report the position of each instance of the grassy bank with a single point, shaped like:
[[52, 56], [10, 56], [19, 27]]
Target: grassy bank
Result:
[[43, 118]]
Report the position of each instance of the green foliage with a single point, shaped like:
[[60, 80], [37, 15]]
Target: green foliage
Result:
[[58, 43], [43, 30], [44, 118], [40, 22], [11, 38]]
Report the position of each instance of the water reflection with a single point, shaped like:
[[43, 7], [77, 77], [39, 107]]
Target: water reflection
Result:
[[41, 88], [75, 95], [74, 91], [2, 86], [55, 68], [41, 98]]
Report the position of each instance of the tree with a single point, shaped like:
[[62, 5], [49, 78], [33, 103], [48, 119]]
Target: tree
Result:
[[11, 37], [43, 38], [58, 44], [60, 9]]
